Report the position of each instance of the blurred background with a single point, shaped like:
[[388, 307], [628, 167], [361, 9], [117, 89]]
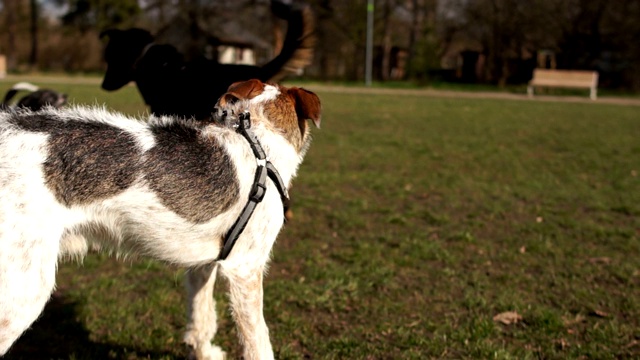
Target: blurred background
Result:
[[496, 42]]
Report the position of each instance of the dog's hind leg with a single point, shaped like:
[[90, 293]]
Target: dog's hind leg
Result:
[[27, 278], [202, 320], [246, 293]]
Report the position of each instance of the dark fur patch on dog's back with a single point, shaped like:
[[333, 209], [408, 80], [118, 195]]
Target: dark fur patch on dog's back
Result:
[[86, 161], [192, 176]]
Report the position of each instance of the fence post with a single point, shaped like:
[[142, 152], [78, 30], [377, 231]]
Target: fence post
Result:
[[3, 66]]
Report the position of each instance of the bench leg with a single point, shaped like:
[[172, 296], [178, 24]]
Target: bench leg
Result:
[[594, 93], [530, 91]]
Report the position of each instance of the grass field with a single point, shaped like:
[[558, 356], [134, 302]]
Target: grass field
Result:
[[417, 221]]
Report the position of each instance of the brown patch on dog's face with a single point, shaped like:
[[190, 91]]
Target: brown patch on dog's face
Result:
[[289, 111]]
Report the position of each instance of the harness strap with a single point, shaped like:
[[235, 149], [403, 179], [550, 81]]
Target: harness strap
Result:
[[258, 189], [256, 195], [273, 174], [244, 128]]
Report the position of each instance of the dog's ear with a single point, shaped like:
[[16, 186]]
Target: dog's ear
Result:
[[110, 33], [242, 90], [307, 105]]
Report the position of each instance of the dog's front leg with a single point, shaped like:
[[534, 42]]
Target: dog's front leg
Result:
[[246, 302], [202, 320]]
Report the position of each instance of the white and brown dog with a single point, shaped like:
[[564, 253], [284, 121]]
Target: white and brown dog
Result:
[[80, 178]]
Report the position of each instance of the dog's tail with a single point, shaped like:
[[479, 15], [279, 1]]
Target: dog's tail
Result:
[[298, 46], [21, 86]]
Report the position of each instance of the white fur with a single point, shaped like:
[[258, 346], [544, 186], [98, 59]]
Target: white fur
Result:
[[25, 86], [270, 92], [32, 224]]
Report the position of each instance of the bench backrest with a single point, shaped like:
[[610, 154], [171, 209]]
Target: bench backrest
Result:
[[578, 78]]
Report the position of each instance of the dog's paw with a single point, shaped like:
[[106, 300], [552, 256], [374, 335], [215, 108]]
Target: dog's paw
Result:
[[215, 353], [207, 352]]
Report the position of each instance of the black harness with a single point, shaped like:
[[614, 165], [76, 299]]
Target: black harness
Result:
[[258, 189]]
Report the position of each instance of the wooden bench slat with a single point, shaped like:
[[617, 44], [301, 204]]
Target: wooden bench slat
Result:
[[564, 78], [561, 83]]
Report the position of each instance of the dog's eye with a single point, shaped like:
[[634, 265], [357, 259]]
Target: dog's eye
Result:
[[228, 99]]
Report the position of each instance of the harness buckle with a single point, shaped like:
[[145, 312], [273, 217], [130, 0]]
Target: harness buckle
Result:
[[259, 187], [244, 120]]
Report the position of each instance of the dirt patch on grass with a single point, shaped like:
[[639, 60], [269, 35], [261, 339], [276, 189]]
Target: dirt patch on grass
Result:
[[471, 95]]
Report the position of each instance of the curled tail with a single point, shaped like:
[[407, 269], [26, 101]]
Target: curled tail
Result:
[[298, 47]]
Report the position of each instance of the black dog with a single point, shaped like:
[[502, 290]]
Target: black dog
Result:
[[172, 86], [36, 100]]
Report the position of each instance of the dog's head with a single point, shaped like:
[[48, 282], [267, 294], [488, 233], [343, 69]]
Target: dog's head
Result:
[[123, 49], [284, 109]]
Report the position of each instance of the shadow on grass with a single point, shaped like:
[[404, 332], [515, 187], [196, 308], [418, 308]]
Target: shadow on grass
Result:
[[57, 334]]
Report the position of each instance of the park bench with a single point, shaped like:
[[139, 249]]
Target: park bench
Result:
[[564, 78]]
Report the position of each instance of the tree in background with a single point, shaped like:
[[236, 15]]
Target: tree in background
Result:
[[425, 48], [97, 15], [400, 27], [502, 31], [412, 37], [341, 29], [585, 34], [602, 35], [33, 19], [11, 12]]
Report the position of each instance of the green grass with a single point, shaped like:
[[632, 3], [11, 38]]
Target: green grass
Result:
[[417, 220]]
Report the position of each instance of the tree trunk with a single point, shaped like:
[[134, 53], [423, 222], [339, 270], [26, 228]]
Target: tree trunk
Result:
[[386, 40], [416, 24], [10, 11], [33, 58]]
